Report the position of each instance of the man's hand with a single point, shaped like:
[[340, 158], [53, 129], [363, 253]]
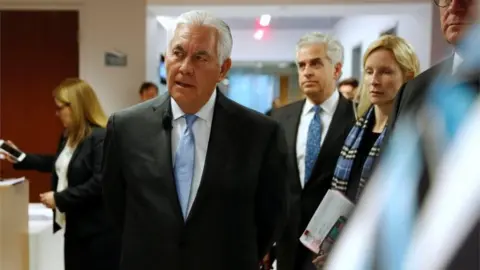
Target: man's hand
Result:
[[319, 261], [48, 200], [265, 265]]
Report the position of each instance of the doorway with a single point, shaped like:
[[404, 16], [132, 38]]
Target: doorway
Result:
[[38, 49]]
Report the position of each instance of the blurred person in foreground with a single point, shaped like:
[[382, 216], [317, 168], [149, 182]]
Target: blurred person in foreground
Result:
[[456, 18], [192, 179], [76, 198], [440, 163], [388, 63], [316, 128]]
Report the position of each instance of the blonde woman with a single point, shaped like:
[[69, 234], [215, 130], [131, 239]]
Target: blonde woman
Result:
[[76, 196], [389, 62]]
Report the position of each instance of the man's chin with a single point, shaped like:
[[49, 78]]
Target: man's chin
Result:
[[455, 35]]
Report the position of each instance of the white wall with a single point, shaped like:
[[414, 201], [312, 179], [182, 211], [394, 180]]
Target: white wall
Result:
[[156, 45], [277, 45], [415, 27], [105, 25]]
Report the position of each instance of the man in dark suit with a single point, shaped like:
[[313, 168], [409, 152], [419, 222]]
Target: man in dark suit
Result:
[[456, 17], [316, 128], [194, 180]]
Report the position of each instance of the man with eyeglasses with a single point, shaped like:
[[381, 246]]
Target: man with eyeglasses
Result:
[[456, 18]]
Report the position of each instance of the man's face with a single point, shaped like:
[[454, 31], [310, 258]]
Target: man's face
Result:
[[456, 18], [348, 91], [193, 68], [149, 93], [316, 73]]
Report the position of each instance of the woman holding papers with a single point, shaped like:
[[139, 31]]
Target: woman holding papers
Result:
[[388, 63], [76, 199]]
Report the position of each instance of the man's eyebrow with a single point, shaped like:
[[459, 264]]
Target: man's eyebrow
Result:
[[204, 53], [178, 47], [317, 59]]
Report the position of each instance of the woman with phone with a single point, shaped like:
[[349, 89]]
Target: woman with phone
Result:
[[76, 197]]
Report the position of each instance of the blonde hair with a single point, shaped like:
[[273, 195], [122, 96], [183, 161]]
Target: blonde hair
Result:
[[85, 107], [405, 57]]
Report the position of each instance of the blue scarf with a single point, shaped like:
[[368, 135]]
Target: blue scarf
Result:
[[343, 169]]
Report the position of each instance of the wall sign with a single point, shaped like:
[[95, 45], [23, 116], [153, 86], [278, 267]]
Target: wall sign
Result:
[[115, 59]]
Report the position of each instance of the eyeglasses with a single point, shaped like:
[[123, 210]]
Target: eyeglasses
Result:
[[442, 3], [445, 3]]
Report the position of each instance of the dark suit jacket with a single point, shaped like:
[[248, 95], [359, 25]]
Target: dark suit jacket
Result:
[[240, 205], [409, 99], [82, 201], [290, 252]]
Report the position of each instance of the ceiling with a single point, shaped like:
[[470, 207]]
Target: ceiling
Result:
[[285, 23], [291, 16], [274, 2], [254, 11]]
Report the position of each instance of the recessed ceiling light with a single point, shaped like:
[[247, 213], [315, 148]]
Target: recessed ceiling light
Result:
[[265, 20], [258, 34]]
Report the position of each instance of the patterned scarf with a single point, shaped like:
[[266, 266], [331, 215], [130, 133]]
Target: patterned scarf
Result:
[[343, 169]]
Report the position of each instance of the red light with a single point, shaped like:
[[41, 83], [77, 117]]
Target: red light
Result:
[[259, 34], [262, 25]]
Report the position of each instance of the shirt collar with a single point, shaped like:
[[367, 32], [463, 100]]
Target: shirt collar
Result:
[[205, 113], [328, 106], [457, 60]]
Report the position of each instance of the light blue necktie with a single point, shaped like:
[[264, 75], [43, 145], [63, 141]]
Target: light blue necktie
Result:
[[185, 164], [313, 143]]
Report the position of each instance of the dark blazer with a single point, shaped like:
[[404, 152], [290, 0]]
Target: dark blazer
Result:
[[291, 254], [409, 100], [82, 200], [239, 208], [412, 94]]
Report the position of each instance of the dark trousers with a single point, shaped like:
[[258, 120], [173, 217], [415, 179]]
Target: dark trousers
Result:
[[97, 252]]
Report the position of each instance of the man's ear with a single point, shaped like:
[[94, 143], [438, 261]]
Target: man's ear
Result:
[[337, 71], [227, 64]]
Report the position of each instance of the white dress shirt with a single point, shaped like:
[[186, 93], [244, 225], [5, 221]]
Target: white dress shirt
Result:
[[201, 131], [457, 60], [327, 110], [61, 168]]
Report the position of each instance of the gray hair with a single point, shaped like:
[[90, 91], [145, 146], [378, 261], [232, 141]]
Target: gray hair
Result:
[[201, 17], [334, 48]]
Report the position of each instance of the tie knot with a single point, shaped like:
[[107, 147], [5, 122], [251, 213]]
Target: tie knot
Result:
[[316, 109], [190, 118]]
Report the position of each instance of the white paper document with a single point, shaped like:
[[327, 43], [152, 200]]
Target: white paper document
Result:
[[327, 222], [11, 182]]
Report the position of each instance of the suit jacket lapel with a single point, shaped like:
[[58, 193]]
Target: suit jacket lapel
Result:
[[159, 123], [218, 153], [291, 132]]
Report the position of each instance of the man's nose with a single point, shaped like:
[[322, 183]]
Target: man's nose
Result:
[[186, 67], [459, 5], [308, 72]]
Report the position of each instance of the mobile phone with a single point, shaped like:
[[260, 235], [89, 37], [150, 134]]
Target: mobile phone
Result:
[[15, 153]]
